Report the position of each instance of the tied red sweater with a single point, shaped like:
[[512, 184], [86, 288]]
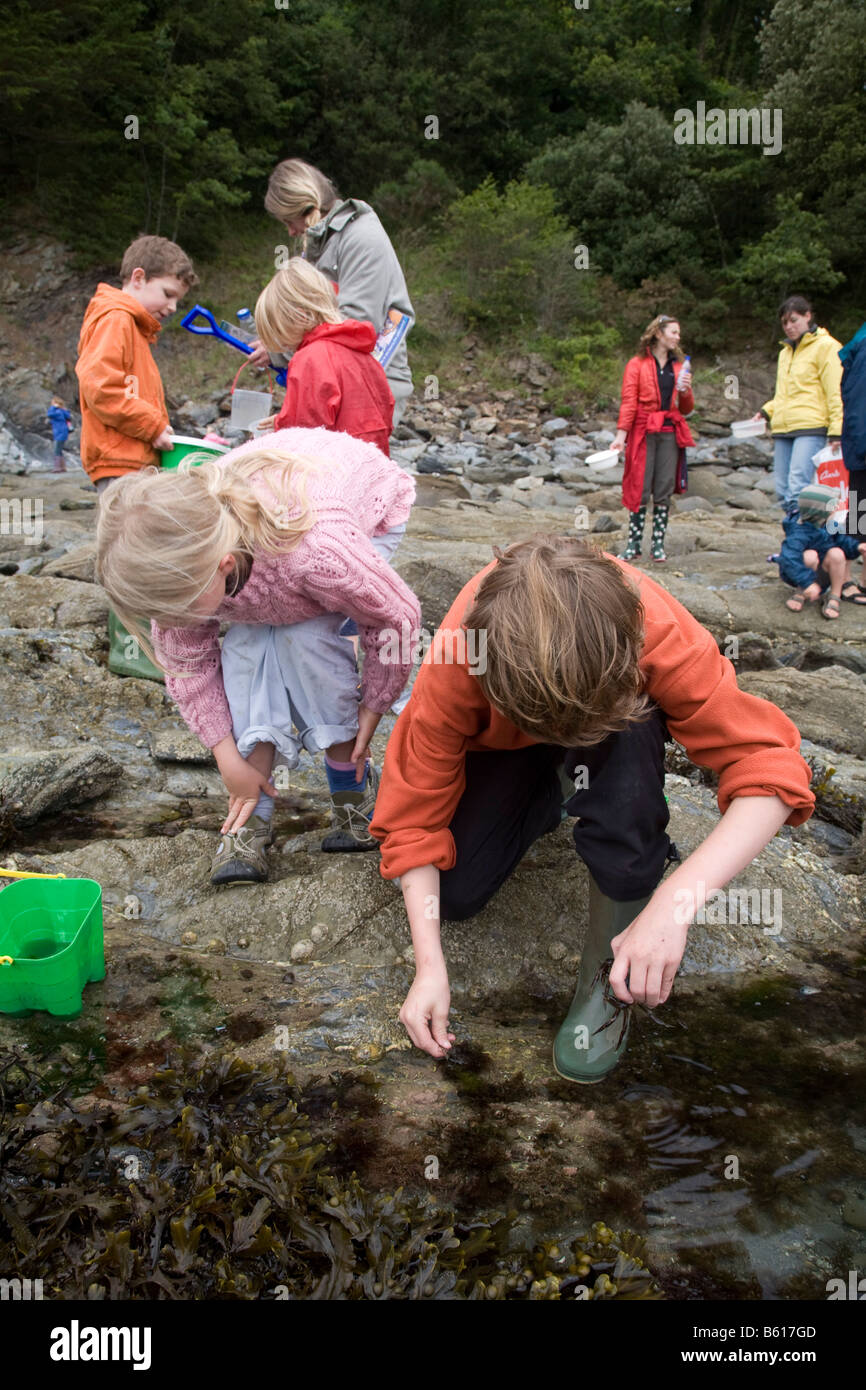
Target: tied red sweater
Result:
[[333, 382]]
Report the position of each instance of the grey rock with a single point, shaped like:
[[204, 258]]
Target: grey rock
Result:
[[179, 746], [692, 503], [35, 783], [556, 426]]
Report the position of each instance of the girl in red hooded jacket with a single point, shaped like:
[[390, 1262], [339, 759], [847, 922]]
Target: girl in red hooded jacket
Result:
[[656, 393], [332, 380]]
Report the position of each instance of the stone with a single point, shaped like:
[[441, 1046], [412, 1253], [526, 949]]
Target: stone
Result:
[[557, 425], [692, 503], [32, 784], [28, 601], [179, 746]]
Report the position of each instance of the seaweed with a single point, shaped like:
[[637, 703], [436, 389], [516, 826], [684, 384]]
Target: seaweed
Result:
[[208, 1183]]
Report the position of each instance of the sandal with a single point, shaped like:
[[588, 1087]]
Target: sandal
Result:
[[797, 601], [856, 593], [831, 607]]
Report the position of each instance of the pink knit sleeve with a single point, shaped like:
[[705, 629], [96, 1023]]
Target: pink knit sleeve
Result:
[[346, 574], [191, 658]]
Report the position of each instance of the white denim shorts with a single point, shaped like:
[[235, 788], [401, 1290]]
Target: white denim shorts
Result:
[[295, 686]]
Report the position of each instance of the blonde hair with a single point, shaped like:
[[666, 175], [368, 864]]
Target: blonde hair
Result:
[[297, 189], [652, 331], [298, 298], [564, 630], [161, 534]]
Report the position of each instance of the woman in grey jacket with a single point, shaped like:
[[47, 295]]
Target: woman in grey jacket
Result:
[[344, 239]]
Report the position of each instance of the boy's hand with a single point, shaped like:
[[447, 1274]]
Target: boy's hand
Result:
[[424, 1014], [164, 440], [648, 954]]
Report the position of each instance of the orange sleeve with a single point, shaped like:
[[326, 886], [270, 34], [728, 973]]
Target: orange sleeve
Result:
[[749, 742], [628, 408], [424, 772]]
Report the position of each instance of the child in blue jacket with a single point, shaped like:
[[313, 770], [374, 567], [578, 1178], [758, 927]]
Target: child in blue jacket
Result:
[[61, 420], [813, 560]]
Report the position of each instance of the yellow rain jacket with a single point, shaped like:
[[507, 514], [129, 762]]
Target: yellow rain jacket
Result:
[[807, 386]]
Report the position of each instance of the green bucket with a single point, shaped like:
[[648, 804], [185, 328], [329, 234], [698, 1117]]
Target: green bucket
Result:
[[184, 445], [51, 944]]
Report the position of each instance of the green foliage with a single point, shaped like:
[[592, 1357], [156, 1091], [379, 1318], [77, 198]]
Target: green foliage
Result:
[[792, 257], [229, 1196], [589, 365], [813, 58], [418, 199], [510, 259]]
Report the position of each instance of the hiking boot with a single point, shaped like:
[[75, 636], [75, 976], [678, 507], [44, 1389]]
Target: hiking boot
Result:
[[594, 1033], [241, 855], [351, 813]]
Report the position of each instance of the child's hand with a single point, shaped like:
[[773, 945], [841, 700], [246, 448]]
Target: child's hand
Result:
[[259, 357], [424, 1014], [367, 722], [648, 954], [244, 784], [164, 440]]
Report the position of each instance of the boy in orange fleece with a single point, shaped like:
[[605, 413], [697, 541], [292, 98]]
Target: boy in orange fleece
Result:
[[123, 416], [581, 667]]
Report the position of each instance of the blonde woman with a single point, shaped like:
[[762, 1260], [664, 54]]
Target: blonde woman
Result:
[[280, 542], [344, 238], [332, 379]]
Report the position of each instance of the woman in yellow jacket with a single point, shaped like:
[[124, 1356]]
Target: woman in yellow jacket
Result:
[[806, 411]]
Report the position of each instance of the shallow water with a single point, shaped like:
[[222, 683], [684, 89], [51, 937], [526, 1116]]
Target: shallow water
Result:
[[733, 1136]]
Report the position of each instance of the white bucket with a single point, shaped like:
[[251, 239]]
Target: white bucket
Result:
[[248, 407], [605, 458], [746, 429]]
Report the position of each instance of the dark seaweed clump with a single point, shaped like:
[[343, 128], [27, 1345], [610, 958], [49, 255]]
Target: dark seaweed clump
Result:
[[207, 1184]]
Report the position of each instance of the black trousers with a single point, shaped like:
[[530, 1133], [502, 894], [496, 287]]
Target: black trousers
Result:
[[513, 798]]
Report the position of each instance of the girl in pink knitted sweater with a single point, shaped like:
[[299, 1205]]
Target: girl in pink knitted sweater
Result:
[[290, 538]]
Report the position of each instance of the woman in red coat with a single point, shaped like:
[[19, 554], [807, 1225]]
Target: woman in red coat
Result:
[[656, 393]]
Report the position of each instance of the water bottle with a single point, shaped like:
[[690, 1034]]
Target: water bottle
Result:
[[686, 367], [246, 328]]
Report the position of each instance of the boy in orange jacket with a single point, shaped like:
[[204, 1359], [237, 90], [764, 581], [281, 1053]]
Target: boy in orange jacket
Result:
[[124, 420], [560, 669]]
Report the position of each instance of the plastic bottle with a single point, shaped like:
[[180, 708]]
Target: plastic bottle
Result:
[[686, 367], [246, 328]]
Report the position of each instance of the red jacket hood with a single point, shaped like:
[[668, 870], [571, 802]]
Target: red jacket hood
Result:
[[106, 299], [351, 333]]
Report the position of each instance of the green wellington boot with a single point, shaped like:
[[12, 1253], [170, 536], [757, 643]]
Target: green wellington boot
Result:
[[125, 654], [593, 1037]]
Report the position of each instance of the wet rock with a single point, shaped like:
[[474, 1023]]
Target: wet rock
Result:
[[34, 784], [28, 601], [179, 746], [827, 705], [79, 562], [839, 784]]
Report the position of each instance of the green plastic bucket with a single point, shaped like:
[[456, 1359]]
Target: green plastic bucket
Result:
[[184, 445], [51, 944]]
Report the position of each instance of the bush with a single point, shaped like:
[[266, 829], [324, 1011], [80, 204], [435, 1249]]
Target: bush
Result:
[[509, 259]]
